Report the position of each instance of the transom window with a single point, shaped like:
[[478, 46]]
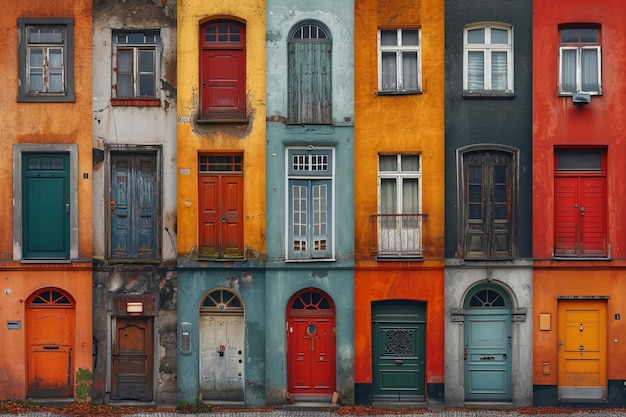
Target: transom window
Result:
[[580, 61], [488, 58], [135, 64], [46, 60], [310, 212], [399, 61]]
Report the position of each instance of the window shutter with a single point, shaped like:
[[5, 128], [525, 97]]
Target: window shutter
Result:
[[309, 84]]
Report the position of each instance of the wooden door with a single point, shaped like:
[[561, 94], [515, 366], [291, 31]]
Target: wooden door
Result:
[[221, 208], [582, 350], [221, 357], [398, 349], [132, 355], [133, 209], [50, 323]]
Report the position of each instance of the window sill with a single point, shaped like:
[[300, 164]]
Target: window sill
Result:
[[489, 95], [400, 258], [310, 260], [580, 258], [400, 93], [47, 98], [46, 261], [138, 102], [216, 121]]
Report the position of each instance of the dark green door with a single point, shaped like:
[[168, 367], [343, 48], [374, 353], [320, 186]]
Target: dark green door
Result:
[[45, 206], [398, 338]]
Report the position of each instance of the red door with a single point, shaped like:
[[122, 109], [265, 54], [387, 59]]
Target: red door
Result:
[[50, 325], [221, 226], [222, 84], [311, 344]]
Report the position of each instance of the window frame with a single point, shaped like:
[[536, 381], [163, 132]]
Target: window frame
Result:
[[489, 227], [136, 48], [18, 150], [582, 174], [24, 49], [488, 48], [579, 47], [308, 179], [400, 51]]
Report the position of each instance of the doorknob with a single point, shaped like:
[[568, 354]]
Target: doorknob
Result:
[[112, 203], [399, 361]]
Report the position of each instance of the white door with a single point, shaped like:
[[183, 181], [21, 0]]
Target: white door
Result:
[[221, 357]]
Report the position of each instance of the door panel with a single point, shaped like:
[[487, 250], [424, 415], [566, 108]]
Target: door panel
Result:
[[221, 357], [133, 209], [311, 355], [132, 353], [582, 350], [488, 356], [222, 83], [50, 341]]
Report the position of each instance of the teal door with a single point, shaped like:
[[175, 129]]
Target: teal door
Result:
[[487, 346], [399, 345], [45, 206]]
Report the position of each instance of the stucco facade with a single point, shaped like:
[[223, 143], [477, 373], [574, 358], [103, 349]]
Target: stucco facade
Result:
[[46, 129]]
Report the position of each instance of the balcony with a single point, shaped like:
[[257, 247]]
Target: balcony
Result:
[[397, 235]]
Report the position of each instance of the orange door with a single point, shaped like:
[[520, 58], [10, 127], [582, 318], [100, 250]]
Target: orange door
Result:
[[50, 337], [131, 377], [582, 350]]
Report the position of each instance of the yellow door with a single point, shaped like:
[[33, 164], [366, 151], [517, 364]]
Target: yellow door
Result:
[[582, 350]]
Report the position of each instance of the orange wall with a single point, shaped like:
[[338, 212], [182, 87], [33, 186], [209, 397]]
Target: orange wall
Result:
[[410, 123], [548, 284], [556, 121], [399, 282]]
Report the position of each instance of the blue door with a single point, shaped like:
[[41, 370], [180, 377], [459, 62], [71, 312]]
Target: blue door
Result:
[[487, 349]]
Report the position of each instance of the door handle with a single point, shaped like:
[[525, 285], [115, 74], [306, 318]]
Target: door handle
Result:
[[112, 203], [399, 361], [487, 358]]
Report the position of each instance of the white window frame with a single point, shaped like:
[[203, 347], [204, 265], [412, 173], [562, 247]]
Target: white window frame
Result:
[[488, 48], [579, 48], [400, 240], [400, 50], [309, 173], [122, 41]]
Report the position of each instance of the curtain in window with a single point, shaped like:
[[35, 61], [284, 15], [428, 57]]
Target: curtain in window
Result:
[[568, 70], [409, 70], [499, 79], [475, 70], [589, 70], [389, 71]]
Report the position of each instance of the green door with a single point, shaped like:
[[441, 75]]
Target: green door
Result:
[[45, 206], [487, 346], [399, 345]]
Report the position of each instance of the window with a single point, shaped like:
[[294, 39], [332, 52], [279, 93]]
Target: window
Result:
[[46, 60], [488, 59], [399, 61], [399, 220], [223, 71], [488, 186], [309, 75], [579, 61], [45, 210], [310, 211], [580, 203], [220, 187], [134, 66]]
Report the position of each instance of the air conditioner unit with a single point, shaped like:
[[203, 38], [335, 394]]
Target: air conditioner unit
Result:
[[581, 98]]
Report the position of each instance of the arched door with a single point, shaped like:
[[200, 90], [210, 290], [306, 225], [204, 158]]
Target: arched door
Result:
[[50, 329], [487, 344], [311, 343], [221, 346]]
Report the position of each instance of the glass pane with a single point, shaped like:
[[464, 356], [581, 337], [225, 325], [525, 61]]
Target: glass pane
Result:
[[475, 192], [388, 202], [409, 37], [569, 35], [390, 73], [499, 36], [124, 85], [146, 85], [388, 37], [409, 196], [568, 70], [589, 70], [36, 80], [475, 70], [124, 60], [146, 61], [409, 70], [589, 35], [500, 192], [410, 162], [56, 81], [579, 160], [36, 57], [388, 163], [222, 33], [499, 79], [210, 35], [56, 58], [476, 36]]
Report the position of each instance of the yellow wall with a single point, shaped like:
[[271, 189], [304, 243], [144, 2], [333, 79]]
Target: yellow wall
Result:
[[410, 123], [194, 138]]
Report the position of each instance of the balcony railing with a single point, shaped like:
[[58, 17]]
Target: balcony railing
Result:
[[397, 235]]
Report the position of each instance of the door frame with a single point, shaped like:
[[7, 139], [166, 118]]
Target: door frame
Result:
[[490, 309], [154, 150]]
